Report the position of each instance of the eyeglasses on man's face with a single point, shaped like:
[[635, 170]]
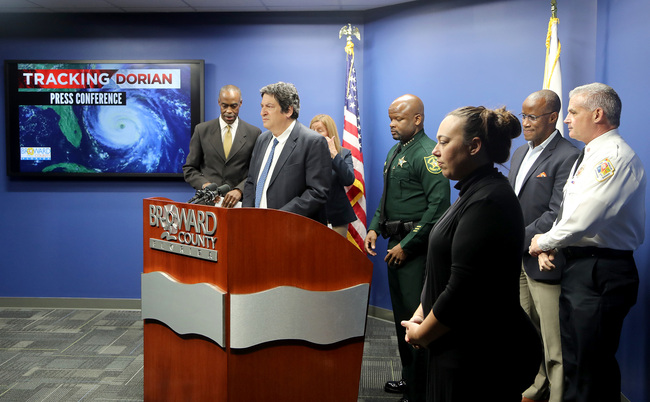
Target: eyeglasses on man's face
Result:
[[532, 117]]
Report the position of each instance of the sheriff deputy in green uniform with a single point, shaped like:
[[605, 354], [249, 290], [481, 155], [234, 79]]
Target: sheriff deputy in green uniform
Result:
[[415, 195]]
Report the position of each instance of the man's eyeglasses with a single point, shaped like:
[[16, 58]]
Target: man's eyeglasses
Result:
[[532, 117]]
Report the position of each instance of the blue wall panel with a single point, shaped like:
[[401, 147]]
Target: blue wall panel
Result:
[[622, 53]]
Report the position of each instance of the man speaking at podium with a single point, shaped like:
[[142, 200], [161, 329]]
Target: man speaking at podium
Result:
[[291, 167], [220, 149]]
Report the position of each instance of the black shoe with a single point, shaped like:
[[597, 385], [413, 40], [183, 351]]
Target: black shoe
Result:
[[403, 400], [395, 387]]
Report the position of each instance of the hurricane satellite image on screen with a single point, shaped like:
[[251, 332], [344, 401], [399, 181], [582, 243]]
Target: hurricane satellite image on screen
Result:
[[104, 118]]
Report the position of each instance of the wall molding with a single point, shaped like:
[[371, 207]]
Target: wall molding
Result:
[[70, 303], [380, 313], [119, 304]]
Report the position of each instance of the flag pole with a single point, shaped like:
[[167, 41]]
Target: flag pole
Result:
[[352, 141], [552, 71], [349, 31]]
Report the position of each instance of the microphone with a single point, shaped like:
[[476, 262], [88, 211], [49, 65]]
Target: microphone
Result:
[[221, 190], [213, 187], [209, 193], [197, 195], [212, 192]]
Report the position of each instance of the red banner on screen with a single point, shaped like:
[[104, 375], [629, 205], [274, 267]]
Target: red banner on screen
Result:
[[60, 79], [97, 79]]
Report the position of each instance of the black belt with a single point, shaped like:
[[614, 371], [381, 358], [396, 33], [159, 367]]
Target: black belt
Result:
[[398, 229], [584, 252]]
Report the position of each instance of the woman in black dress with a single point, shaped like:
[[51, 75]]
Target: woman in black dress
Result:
[[481, 343]]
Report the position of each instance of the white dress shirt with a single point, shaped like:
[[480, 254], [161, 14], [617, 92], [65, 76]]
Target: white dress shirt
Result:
[[282, 139], [604, 199], [529, 160], [233, 128]]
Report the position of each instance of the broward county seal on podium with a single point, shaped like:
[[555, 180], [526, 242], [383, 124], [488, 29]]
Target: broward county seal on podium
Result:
[[249, 305]]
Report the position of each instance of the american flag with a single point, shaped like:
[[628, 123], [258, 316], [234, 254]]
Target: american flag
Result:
[[352, 141]]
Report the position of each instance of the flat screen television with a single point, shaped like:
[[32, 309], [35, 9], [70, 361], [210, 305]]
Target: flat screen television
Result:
[[101, 118]]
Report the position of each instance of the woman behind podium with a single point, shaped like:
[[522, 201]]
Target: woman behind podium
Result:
[[338, 207], [480, 341]]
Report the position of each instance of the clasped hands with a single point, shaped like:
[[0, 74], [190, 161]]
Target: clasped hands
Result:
[[544, 258], [412, 331]]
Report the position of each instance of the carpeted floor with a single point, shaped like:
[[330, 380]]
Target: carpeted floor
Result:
[[52, 355]]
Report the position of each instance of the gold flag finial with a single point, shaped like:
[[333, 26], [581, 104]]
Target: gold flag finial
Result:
[[554, 8], [349, 31]]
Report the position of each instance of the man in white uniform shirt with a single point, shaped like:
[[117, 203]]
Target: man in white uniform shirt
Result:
[[600, 224]]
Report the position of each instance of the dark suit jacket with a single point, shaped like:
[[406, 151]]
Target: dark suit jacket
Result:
[[541, 195], [339, 209], [207, 163], [301, 178]]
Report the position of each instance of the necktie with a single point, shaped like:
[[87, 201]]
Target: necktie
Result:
[[265, 172], [382, 203], [579, 161], [227, 141]]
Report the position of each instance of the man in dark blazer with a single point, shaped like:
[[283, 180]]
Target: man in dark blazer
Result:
[[290, 167], [538, 172], [207, 161]]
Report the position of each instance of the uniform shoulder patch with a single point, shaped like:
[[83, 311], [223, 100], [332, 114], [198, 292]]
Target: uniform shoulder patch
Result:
[[604, 169], [431, 163]]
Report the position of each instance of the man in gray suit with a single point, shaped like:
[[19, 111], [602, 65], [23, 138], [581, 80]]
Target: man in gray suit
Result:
[[220, 149], [538, 172], [291, 166]]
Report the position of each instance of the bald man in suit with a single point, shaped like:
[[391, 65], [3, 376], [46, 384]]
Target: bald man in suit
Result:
[[220, 149]]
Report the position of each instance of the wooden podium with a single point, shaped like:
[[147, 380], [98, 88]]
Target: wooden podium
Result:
[[249, 305]]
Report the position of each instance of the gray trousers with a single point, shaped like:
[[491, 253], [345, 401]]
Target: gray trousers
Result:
[[541, 301]]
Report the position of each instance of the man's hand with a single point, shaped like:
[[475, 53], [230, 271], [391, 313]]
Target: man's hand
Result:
[[545, 260], [231, 198], [395, 255], [534, 249], [369, 242]]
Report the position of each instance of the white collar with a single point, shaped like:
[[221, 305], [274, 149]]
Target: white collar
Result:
[[543, 144]]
